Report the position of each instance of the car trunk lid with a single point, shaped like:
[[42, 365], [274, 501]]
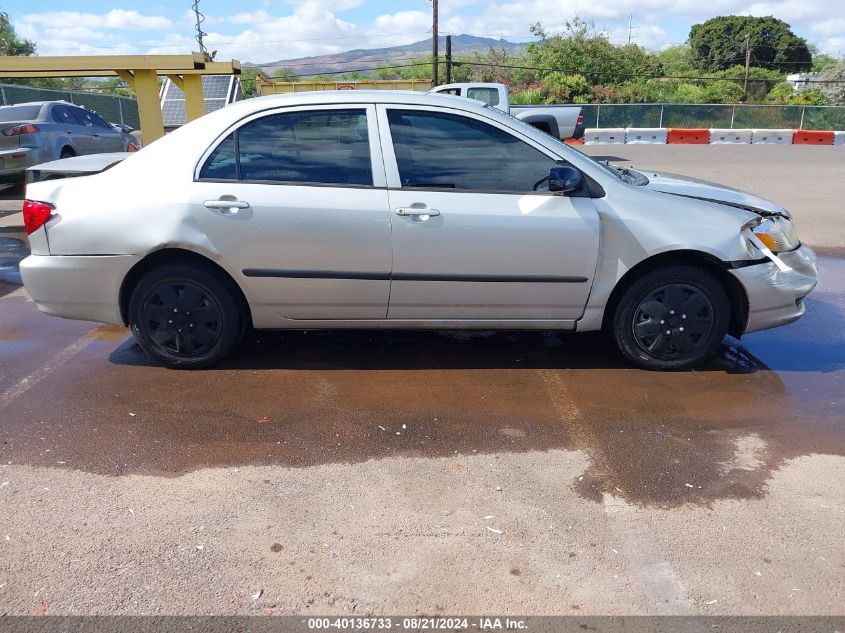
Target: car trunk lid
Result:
[[7, 140]]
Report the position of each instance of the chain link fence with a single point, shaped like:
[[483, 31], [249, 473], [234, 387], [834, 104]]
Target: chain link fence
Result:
[[113, 108], [682, 115]]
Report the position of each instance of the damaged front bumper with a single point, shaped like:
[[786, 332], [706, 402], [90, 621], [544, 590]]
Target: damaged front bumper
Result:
[[776, 288]]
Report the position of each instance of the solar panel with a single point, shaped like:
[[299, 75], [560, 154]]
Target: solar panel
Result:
[[217, 90]]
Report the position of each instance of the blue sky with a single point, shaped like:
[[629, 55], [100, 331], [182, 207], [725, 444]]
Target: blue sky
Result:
[[269, 30]]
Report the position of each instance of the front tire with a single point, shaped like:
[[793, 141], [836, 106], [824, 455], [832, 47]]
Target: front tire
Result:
[[671, 318], [184, 316]]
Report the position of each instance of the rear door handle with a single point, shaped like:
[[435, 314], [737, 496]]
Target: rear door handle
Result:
[[417, 209], [230, 207]]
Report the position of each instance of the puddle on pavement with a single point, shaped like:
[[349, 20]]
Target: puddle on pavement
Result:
[[12, 251], [299, 399]]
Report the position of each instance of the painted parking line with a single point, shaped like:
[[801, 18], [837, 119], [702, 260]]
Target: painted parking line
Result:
[[658, 579], [639, 547], [29, 381]]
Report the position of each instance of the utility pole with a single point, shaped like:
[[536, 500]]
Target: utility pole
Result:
[[434, 37], [630, 26], [448, 59], [200, 33], [747, 66]]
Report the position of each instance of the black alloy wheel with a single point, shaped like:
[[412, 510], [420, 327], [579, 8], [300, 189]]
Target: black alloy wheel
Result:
[[182, 318], [671, 317], [185, 315], [673, 321]]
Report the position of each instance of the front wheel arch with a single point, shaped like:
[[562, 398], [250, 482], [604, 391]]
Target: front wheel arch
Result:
[[178, 256], [719, 269]]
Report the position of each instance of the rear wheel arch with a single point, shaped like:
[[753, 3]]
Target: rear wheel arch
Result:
[[67, 151], [167, 256], [713, 265], [543, 122]]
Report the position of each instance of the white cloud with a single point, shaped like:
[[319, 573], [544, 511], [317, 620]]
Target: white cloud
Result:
[[402, 22], [325, 5], [76, 33], [248, 18], [256, 32], [114, 19]]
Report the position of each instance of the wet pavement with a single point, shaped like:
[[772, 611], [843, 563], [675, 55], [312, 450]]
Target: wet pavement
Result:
[[421, 472], [300, 399]]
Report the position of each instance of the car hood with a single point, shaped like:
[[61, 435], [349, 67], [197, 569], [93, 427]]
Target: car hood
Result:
[[711, 192]]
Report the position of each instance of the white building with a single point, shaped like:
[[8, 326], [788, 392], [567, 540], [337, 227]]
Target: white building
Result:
[[802, 81]]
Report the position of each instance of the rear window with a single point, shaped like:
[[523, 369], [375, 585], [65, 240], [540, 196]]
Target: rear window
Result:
[[490, 96], [20, 113]]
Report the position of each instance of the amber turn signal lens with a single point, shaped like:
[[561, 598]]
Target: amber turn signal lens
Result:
[[768, 240]]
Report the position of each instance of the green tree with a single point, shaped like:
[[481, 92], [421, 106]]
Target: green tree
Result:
[[833, 92], [720, 43], [284, 74], [760, 80], [810, 97], [821, 61], [10, 43], [496, 65], [677, 60], [249, 85], [782, 93], [563, 88], [581, 49]]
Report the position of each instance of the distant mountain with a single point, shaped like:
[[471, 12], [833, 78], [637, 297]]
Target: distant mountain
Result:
[[368, 58]]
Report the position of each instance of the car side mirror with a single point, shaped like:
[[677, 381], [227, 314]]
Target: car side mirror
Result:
[[564, 179]]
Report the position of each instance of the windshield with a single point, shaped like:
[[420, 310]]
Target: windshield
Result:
[[19, 113], [627, 175]]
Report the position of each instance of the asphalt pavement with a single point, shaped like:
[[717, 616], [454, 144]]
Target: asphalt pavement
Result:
[[435, 472]]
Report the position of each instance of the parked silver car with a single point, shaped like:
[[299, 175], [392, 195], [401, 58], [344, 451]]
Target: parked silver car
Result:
[[38, 132], [356, 209]]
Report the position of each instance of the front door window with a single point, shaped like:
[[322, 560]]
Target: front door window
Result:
[[447, 151]]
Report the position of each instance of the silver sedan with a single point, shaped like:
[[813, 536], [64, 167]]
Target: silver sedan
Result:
[[33, 133], [402, 210]]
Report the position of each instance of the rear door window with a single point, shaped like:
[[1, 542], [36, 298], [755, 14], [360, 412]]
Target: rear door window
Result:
[[223, 162], [326, 147], [83, 116], [99, 121]]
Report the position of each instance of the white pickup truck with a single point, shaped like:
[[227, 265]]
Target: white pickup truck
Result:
[[561, 121]]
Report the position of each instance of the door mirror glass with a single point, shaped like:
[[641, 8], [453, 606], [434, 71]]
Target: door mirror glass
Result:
[[564, 179]]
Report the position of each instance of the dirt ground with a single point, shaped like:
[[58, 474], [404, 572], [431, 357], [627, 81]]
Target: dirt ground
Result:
[[436, 473]]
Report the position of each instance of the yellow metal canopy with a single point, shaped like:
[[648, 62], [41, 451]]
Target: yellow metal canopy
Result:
[[139, 71]]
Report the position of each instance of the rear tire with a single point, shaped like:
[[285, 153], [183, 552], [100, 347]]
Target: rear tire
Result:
[[671, 318], [184, 316], [67, 153]]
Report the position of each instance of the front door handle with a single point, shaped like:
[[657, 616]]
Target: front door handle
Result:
[[229, 207], [417, 209]]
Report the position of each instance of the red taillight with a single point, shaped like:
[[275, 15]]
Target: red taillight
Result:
[[35, 214], [580, 118], [26, 128]]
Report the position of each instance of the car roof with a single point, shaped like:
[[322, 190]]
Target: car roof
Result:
[[38, 103], [328, 97], [191, 140]]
